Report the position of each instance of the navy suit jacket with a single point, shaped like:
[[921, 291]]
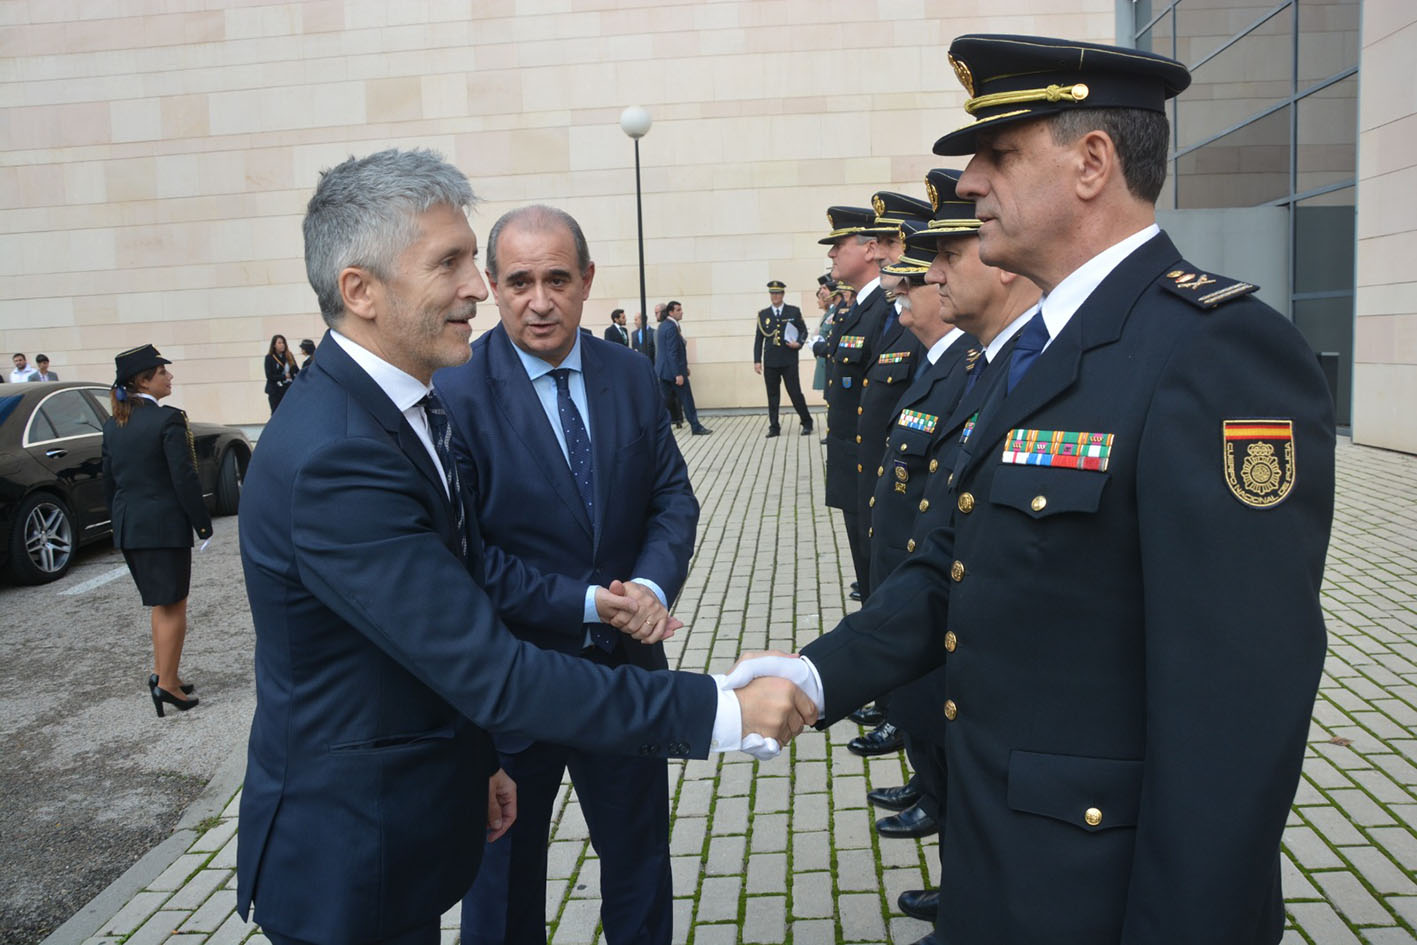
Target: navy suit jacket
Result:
[[542, 549], [671, 359], [380, 668]]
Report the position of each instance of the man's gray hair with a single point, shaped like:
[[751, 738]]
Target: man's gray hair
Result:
[[364, 213], [538, 217]]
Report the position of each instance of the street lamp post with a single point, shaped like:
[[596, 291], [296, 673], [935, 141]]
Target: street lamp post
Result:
[[635, 122]]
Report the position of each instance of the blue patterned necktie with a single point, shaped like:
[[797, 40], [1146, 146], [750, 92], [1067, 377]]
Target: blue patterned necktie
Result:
[[442, 435], [583, 472], [1026, 350]]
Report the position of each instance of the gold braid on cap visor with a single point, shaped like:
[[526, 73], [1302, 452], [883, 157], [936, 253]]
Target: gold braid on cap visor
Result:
[[1053, 93]]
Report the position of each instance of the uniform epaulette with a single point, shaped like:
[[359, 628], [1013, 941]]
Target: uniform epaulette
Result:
[[1204, 290]]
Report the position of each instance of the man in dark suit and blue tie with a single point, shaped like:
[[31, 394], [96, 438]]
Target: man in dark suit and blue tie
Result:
[[381, 665], [565, 443], [671, 363]]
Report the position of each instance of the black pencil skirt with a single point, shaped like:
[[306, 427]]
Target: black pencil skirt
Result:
[[163, 575]]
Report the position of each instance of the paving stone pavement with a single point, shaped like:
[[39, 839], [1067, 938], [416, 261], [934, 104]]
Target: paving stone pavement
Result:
[[783, 851]]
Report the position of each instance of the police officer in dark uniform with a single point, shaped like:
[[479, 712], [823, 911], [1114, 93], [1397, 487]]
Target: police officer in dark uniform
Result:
[[1126, 598], [780, 334], [898, 352], [851, 347], [907, 434]]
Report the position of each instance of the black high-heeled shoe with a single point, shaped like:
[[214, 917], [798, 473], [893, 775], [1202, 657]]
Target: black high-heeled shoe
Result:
[[161, 695], [187, 688]]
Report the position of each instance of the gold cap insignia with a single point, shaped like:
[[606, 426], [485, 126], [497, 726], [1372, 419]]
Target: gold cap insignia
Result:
[[830, 222], [932, 194], [878, 205], [1258, 457], [1174, 273], [966, 78]]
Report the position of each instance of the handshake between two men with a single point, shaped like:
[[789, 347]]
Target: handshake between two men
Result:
[[778, 694]]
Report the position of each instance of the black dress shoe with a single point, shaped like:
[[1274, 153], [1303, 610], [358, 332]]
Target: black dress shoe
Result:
[[701, 431], [856, 585], [823, 441], [911, 822], [806, 431], [868, 715], [854, 595], [882, 740], [187, 688], [772, 433], [920, 903], [895, 798]]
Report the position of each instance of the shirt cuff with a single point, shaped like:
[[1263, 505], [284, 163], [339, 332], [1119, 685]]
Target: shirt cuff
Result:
[[728, 721], [589, 613], [658, 591]]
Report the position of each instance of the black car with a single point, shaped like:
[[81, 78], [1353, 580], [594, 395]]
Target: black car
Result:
[[51, 483]]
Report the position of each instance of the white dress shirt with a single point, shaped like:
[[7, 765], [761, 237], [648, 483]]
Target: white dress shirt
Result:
[[1067, 297], [21, 375], [939, 347], [405, 390]]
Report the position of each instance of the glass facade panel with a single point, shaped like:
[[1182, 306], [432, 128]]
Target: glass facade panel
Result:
[[1323, 243], [1203, 26], [1247, 167], [1327, 324], [1244, 78], [1327, 136], [1328, 38], [1160, 37]]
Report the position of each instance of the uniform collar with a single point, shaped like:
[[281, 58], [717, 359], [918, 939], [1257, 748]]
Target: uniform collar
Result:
[[938, 348], [1067, 296]]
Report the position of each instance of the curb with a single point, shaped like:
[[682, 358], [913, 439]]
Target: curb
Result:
[[215, 796]]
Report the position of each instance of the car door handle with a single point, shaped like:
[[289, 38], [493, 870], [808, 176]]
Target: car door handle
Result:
[[56, 453]]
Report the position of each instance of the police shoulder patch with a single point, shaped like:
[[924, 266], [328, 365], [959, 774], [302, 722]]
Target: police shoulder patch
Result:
[[1203, 289], [1258, 460]]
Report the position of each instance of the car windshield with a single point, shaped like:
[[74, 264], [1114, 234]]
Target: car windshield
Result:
[[7, 407]]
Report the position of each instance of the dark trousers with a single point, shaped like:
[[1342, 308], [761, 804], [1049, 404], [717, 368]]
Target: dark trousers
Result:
[[426, 934], [789, 377], [671, 400], [626, 806], [274, 397], [860, 556], [928, 763], [686, 400]]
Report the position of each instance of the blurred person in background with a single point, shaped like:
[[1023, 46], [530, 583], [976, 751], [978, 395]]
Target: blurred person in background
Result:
[[280, 370]]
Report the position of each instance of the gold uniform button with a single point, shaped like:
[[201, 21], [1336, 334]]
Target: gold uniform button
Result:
[[831, 382], [1093, 816], [965, 503], [956, 571], [951, 641], [858, 411], [890, 378], [903, 446], [934, 465], [866, 382], [870, 533], [880, 470], [858, 469], [951, 710], [909, 545], [924, 504], [858, 438], [1039, 503], [872, 503]]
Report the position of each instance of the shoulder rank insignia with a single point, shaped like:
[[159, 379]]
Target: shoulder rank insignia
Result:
[[851, 341], [1258, 457], [1064, 448], [1204, 290], [913, 420], [893, 357]]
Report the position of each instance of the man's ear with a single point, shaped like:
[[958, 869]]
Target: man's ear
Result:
[[587, 278], [359, 290], [1096, 162]]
